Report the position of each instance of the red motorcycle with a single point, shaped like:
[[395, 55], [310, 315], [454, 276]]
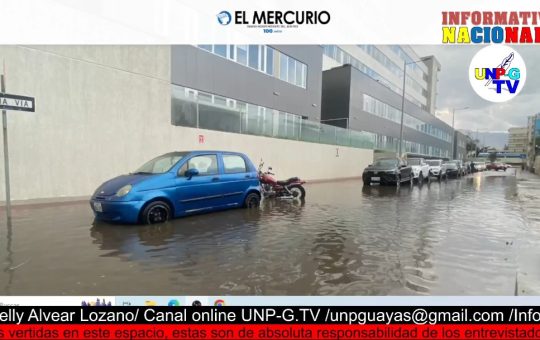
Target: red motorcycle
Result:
[[271, 187]]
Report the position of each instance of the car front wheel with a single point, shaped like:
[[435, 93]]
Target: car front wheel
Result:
[[156, 212]]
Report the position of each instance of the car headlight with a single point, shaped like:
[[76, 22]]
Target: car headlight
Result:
[[123, 191]]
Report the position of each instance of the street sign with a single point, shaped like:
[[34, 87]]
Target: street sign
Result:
[[17, 103]]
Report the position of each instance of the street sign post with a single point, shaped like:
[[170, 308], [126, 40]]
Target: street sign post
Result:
[[17, 103]]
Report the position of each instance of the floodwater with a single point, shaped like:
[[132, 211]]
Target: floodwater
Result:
[[473, 236]]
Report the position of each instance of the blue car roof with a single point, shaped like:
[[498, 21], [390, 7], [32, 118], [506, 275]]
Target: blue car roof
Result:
[[196, 152]]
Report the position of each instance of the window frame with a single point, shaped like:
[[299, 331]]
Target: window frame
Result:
[[225, 172], [186, 163]]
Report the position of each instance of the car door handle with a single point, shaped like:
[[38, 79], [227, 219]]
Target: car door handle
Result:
[[248, 176], [215, 179]]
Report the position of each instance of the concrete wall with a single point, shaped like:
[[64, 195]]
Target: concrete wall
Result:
[[104, 111], [201, 70], [536, 165]]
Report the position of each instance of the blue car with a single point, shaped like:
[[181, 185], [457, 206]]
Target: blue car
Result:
[[177, 184]]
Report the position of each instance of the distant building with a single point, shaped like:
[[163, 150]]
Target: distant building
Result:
[[517, 139]]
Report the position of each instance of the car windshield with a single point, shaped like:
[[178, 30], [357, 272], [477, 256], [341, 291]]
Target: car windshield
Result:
[[414, 161], [385, 163], [161, 164], [433, 163]]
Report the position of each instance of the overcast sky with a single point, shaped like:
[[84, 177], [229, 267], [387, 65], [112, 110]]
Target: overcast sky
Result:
[[454, 90]]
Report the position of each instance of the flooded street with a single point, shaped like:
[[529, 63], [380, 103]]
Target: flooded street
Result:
[[473, 236]]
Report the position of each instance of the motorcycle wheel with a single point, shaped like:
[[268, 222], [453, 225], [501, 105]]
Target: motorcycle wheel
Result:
[[298, 191]]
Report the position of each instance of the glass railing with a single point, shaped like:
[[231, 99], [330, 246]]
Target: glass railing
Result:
[[259, 121]]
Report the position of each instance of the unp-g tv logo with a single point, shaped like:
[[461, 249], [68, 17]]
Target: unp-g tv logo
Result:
[[497, 73]]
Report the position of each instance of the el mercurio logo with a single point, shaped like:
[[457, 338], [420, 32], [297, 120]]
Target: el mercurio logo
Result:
[[273, 21], [224, 18], [497, 73]]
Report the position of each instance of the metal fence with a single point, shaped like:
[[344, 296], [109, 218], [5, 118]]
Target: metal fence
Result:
[[207, 112]]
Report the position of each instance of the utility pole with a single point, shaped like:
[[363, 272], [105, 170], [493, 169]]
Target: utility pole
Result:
[[453, 151], [6, 154], [405, 63], [402, 108], [16, 103]]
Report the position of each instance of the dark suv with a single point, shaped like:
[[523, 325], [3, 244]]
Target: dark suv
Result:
[[388, 171]]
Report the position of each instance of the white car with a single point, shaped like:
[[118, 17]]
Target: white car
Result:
[[437, 168], [479, 166], [420, 169]]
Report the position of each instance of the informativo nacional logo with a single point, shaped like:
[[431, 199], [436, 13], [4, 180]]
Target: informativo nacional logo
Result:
[[497, 73]]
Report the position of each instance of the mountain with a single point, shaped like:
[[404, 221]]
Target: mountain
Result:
[[495, 139]]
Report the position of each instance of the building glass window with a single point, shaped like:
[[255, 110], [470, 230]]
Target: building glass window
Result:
[[291, 71], [221, 101], [264, 59], [254, 56], [299, 76], [221, 50], [270, 61], [241, 54], [304, 75], [283, 67], [206, 47], [383, 110]]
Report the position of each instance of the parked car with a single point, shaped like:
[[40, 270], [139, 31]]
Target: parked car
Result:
[[495, 166], [388, 171], [437, 168], [177, 184], [460, 166], [452, 169], [480, 166], [467, 167], [420, 169]]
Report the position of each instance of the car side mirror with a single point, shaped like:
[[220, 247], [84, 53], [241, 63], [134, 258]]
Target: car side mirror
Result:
[[191, 172]]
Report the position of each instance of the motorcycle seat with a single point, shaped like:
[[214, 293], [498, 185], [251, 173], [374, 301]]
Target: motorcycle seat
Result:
[[288, 181]]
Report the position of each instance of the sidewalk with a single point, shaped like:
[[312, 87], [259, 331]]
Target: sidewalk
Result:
[[525, 174], [528, 196]]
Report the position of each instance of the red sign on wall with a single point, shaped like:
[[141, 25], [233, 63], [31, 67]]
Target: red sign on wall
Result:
[[201, 139]]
